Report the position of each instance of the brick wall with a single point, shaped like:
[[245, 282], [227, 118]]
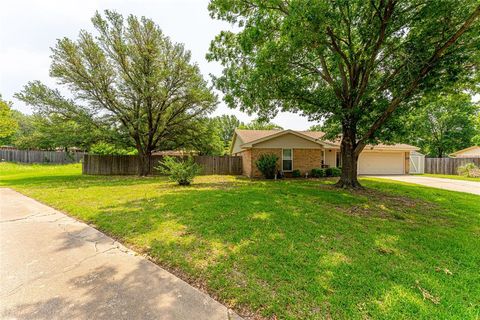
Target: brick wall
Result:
[[306, 159], [303, 160], [246, 162]]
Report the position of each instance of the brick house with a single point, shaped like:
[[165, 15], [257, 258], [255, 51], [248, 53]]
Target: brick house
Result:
[[305, 150]]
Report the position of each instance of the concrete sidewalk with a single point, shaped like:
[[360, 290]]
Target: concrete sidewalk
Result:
[[440, 183], [54, 267]]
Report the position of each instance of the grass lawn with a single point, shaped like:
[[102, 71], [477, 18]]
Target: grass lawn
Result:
[[294, 249], [450, 176]]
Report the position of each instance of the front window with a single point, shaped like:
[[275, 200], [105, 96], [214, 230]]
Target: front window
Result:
[[287, 160]]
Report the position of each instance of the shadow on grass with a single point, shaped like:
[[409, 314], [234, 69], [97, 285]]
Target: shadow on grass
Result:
[[285, 245]]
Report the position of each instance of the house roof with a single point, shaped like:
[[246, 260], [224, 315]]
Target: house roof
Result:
[[463, 150], [250, 137]]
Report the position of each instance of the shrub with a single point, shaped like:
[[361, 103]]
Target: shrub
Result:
[[469, 170], [317, 173], [333, 172], [267, 164], [181, 171], [296, 173], [336, 172], [108, 149]]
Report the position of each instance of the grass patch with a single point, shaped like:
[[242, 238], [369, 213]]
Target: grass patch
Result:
[[450, 176], [294, 249]]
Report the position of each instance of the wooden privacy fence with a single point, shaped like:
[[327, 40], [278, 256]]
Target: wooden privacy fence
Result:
[[34, 156], [447, 165], [128, 165]]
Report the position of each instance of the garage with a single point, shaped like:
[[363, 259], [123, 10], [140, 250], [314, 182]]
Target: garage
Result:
[[381, 163]]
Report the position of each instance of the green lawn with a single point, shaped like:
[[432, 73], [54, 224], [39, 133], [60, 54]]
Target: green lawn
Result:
[[294, 249], [450, 176]]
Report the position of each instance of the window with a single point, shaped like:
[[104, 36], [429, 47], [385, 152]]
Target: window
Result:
[[287, 160]]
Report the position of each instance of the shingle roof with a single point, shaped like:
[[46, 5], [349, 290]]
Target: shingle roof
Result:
[[252, 135], [248, 136]]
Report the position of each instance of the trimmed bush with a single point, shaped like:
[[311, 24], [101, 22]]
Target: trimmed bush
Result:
[[179, 170], [336, 172], [267, 165], [296, 173], [317, 173], [333, 172]]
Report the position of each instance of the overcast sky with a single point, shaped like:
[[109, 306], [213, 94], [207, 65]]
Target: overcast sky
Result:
[[28, 28]]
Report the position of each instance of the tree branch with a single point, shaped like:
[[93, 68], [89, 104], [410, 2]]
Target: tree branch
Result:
[[416, 82]]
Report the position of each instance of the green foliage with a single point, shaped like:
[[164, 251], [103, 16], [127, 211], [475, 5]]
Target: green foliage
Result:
[[134, 75], [226, 125], [476, 138], [441, 124], [357, 65], [260, 124], [333, 172], [207, 138], [469, 170], [317, 173], [296, 173], [59, 122], [8, 123], [267, 165], [108, 149], [182, 171]]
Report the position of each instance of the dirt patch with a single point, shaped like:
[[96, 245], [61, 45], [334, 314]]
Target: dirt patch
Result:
[[379, 204]]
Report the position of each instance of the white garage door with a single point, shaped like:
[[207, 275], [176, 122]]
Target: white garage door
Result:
[[381, 163]]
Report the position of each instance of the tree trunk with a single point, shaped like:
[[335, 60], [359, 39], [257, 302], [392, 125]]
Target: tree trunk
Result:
[[348, 179], [144, 162]]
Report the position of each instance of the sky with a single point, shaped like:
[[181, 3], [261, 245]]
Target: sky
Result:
[[29, 28]]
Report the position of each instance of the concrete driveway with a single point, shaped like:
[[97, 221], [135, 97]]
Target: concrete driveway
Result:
[[54, 267], [440, 183]]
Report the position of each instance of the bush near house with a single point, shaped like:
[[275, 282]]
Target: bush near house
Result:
[[333, 172], [469, 170], [267, 164], [318, 173], [179, 170], [296, 173]]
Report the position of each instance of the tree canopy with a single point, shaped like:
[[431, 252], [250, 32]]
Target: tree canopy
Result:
[[132, 73], [356, 63], [226, 125], [8, 123], [443, 124]]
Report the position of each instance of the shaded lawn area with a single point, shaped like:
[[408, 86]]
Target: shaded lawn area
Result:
[[291, 249], [450, 176]]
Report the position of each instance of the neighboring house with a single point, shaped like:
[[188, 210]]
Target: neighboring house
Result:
[[471, 152], [305, 150]]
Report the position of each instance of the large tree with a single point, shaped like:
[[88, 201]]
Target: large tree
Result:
[[226, 125], [353, 62], [443, 124], [135, 74]]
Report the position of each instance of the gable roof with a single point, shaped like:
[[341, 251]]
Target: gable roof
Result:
[[464, 150], [250, 137]]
